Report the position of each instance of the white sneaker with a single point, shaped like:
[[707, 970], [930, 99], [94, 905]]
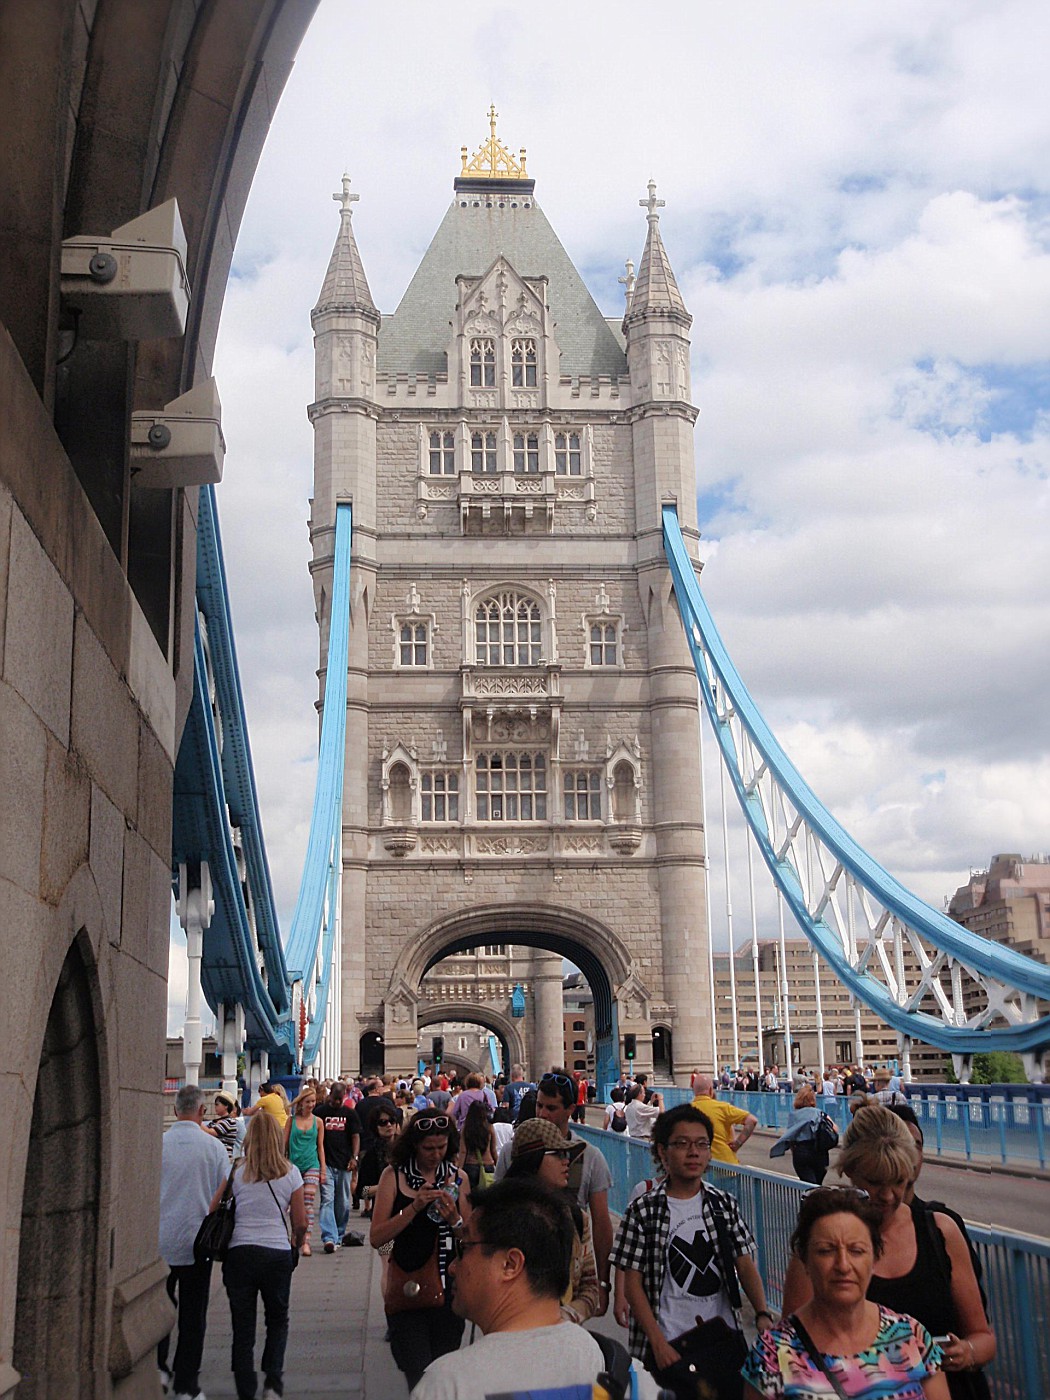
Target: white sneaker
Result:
[[185, 1395], [166, 1379], [269, 1394]]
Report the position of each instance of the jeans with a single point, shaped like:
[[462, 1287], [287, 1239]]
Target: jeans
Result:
[[420, 1335], [335, 1205], [191, 1282], [250, 1270]]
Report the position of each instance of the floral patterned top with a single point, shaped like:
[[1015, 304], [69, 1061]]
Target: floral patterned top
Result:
[[894, 1367]]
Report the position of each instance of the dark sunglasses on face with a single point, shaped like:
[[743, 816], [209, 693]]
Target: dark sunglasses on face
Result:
[[385, 1123]]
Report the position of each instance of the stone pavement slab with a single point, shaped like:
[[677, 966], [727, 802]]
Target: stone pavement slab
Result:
[[335, 1340]]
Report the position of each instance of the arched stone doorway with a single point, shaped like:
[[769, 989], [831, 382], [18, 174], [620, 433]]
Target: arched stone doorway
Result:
[[373, 1059], [502, 1027], [663, 1054], [60, 1258], [605, 962]]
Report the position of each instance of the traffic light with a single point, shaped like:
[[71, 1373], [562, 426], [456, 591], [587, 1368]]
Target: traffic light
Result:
[[438, 1050], [630, 1045]]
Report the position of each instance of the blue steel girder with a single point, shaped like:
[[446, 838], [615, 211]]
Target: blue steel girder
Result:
[[313, 943], [919, 971]]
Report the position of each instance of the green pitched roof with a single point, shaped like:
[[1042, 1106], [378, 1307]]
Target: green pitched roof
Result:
[[414, 340]]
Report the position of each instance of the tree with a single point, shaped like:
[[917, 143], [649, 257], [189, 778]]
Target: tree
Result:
[[997, 1067]]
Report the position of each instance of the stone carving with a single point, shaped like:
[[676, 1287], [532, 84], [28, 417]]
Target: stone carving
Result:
[[483, 398], [570, 493], [510, 845], [481, 484], [440, 493], [584, 845], [344, 364], [534, 484], [440, 845], [524, 398], [519, 729], [510, 685], [671, 369], [483, 322]]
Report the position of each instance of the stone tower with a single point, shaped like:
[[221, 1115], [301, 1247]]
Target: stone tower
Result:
[[522, 760]]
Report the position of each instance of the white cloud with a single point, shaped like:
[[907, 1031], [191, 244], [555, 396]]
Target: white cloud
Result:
[[857, 207]]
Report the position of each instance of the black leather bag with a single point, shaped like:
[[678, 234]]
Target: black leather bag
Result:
[[711, 1357], [216, 1231]]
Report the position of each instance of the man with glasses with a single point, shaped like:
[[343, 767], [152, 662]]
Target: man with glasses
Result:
[[511, 1269], [589, 1176], [686, 1251]]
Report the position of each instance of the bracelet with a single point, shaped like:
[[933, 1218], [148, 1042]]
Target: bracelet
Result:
[[763, 1312], [457, 1224], [973, 1355]]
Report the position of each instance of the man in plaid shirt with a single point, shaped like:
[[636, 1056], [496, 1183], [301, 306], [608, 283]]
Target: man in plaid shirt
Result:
[[676, 1244]]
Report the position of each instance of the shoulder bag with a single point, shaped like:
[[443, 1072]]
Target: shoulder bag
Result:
[[216, 1231], [816, 1357]]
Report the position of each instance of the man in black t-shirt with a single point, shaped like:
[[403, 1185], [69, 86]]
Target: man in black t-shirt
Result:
[[342, 1142]]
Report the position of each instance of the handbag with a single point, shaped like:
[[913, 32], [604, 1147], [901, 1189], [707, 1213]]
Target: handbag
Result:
[[827, 1134], [216, 1229], [711, 1355], [486, 1175], [407, 1289]]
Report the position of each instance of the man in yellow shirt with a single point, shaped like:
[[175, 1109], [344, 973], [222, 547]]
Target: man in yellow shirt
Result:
[[270, 1101], [732, 1126]]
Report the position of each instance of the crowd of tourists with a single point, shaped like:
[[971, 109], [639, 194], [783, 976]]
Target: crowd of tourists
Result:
[[487, 1208]]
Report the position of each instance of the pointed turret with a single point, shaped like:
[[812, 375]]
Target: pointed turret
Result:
[[655, 290], [345, 287]]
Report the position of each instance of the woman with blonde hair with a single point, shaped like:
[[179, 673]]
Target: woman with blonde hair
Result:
[[924, 1270], [304, 1145], [270, 1224]]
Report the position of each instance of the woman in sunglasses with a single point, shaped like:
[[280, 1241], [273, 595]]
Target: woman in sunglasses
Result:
[[422, 1199], [374, 1161], [540, 1151]]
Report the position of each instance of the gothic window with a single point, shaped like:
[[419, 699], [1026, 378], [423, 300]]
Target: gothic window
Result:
[[400, 795], [439, 790], [442, 454], [568, 458], [511, 787], [583, 795], [482, 364], [507, 631], [483, 452], [414, 644], [526, 452], [604, 644], [523, 364], [495, 950]]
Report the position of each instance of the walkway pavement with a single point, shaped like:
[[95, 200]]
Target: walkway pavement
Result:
[[335, 1346]]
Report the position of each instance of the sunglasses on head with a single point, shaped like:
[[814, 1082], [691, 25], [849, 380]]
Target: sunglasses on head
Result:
[[556, 1079], [440, 1123]]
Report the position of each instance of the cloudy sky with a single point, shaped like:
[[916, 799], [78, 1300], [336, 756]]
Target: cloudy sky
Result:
[[858, 213]]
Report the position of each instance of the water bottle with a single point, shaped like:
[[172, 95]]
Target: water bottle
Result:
[[434, 1210]]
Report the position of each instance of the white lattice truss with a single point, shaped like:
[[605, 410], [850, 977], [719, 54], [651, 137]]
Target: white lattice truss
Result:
[[922, 973]]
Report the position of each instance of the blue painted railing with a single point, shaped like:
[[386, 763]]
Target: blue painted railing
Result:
[[1016, 1267]]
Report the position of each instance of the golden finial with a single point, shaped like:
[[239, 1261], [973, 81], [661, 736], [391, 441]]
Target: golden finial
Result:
[[492, 160]]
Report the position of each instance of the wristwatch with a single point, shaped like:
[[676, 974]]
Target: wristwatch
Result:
[[603, 1284]]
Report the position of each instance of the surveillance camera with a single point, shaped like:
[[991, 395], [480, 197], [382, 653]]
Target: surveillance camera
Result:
[[180, 445], [132, 283]]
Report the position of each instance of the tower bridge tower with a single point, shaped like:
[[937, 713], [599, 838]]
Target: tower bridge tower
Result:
[[522, 761]]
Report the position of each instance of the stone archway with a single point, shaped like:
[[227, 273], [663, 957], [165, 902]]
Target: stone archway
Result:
[[601, 956], [56, 1339], [479, 1014]]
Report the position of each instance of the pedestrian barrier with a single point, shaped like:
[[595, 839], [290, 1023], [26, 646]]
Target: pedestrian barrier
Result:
[[1012, 1128], [1016, 1267]]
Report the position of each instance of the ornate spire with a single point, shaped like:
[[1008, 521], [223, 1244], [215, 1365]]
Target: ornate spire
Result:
[[655, 289], [345, 286], [492, 160]]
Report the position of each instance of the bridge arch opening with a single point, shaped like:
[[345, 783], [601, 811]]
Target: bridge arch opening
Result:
[[489, 1018], [60, 1258], [600, 956]]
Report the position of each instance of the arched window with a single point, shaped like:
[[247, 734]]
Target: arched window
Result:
[[507, 631], [483, 364], [523, 364]]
